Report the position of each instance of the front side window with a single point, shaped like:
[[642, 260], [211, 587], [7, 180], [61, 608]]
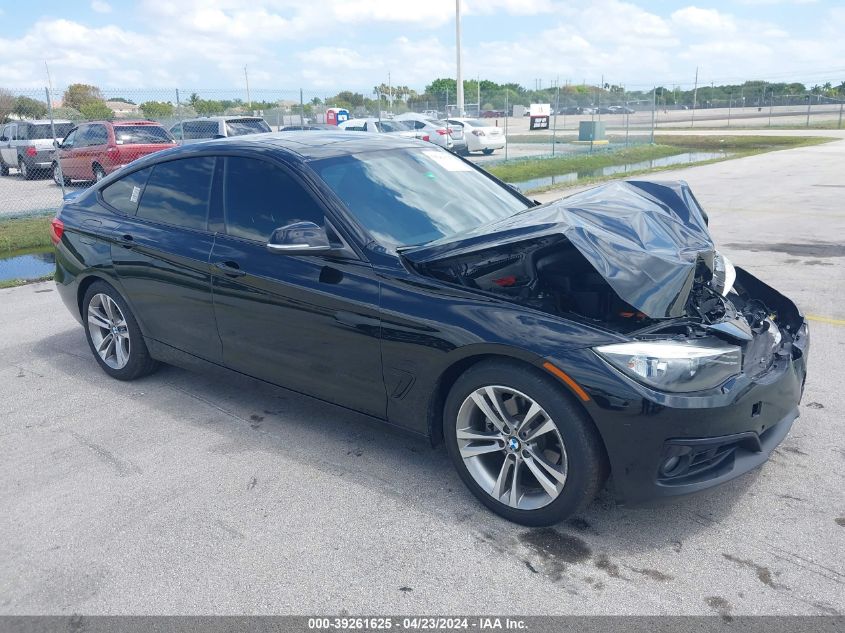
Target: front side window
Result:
[[259, 198], [405, 197], [97, 135], [178, 193], [201, 129], [70, 138], [125, 193]]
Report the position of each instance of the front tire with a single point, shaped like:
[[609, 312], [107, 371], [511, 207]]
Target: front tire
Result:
[[521, 445], [99, 173], [113, 334], [59, 178], [4, 168], [487, 151]]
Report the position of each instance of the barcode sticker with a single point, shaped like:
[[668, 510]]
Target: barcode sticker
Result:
[[136, 191]]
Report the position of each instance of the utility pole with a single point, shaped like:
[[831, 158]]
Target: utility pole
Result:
[[248, 100], [478, 95], [554, 125], [460, 79], [694, 98], [653, 111], [389, 93]]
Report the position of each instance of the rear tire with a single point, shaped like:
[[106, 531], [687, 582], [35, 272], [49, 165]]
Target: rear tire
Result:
[[487, 151], [4, 168], [25, 171], [113, 334], [567, 455]]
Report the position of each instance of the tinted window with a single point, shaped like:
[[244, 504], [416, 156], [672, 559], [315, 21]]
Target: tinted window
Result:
[[405, 197], [44, 130], [141, 135], [260, 197], [97, 135], [70, 139], [239, 127], [125, 193], [177, 192], [201, 129]]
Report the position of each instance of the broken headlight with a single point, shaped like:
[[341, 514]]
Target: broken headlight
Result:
[[724, 274], [676, 366]]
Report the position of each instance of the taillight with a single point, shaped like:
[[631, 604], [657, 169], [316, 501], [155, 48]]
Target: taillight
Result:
[[31, 151], [442, 132], [478, 132], [57, 229], [426, 137]]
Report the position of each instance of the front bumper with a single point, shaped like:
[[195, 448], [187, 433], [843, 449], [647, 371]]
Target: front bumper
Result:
[[715, 437]]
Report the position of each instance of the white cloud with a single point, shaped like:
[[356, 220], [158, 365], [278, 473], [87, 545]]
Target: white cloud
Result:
[[697, 19], [100, 6]]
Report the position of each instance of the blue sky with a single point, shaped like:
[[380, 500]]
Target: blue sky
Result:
[[329, 45]]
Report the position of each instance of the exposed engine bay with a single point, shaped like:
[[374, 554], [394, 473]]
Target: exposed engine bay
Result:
[[634, 258]]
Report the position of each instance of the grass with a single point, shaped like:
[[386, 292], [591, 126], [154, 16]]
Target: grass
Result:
[[665, 145], [18, 235], [12, 283]]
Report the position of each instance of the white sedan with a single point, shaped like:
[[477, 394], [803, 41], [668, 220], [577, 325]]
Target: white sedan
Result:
[[480, 136], [374, 125]]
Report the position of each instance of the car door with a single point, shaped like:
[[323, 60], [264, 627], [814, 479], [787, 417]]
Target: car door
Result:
[[7, 146], [160, 252], [309, 323], [68, 154], [94, 150]]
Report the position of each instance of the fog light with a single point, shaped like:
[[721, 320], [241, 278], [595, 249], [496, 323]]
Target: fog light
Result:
[[669, 464]]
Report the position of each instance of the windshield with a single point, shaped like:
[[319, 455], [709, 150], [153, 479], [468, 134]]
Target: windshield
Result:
[[141, 135], [239, 127], [44, 130], [392, 126], [477, 123], [406, 197]]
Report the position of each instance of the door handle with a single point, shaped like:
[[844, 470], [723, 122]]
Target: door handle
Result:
[[126, 241], [230, 269]]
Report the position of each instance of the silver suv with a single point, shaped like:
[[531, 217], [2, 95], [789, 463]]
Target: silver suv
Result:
[[194, 130], [28, 146]]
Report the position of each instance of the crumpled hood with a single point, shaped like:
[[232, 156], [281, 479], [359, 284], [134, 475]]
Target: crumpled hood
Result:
[[644, 238]]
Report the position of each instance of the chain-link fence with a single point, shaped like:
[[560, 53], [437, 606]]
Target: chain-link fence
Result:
[[53, 141]]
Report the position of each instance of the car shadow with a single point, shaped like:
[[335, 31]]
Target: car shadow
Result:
[[248, 415]]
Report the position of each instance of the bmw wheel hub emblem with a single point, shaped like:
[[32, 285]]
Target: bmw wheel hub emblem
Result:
[[513, 444]]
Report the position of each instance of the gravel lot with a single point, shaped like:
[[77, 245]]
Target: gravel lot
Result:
[[187, 494]]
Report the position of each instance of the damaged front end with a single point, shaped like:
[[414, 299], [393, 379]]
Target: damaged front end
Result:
[[635, 258]]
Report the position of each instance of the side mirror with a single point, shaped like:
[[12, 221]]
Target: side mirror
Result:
[[300, 238], [57, 144]]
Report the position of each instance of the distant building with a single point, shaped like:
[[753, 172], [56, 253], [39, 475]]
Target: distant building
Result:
[[123, 110]]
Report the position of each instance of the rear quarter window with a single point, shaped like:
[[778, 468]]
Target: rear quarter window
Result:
[[141, 135], [124, 194]]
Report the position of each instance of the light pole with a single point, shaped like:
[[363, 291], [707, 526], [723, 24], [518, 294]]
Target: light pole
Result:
[[460, 79]]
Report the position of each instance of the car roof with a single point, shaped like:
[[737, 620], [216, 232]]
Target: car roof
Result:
[[119, 122], [41, 121], [304, 144], [227, 117]]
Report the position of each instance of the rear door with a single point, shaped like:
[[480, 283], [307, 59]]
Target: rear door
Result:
[[309, 323], [131, 141], [93, 151], [160, 252], [72, 165]]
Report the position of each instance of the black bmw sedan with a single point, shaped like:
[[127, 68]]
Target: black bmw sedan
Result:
[[547, 346]]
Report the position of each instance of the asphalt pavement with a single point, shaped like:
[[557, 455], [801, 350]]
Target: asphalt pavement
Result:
[[188, 494]]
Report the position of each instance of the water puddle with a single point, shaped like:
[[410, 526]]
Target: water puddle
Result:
[[29, 266], [612, 170]]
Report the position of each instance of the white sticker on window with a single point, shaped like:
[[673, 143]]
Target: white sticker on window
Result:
[[447, 161], [136, 191]]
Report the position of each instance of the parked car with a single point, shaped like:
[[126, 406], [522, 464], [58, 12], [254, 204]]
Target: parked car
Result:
[[195, 130], [437, 130], [93, 150], [493, 114], [307, 126], [620, 109], [28, 146], [431, 114], [480, 137], [376, 126], [546, 345]]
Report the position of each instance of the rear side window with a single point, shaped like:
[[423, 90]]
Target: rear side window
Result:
[[125, 193], [141, 135], [45, 130], [178, 193], [97, 135], [239, 127], [259, 198]]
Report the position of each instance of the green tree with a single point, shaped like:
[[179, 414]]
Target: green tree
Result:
[[28, 108], [122, 100], [157, 109], [96, 110], [7, 104], [78, 95]]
